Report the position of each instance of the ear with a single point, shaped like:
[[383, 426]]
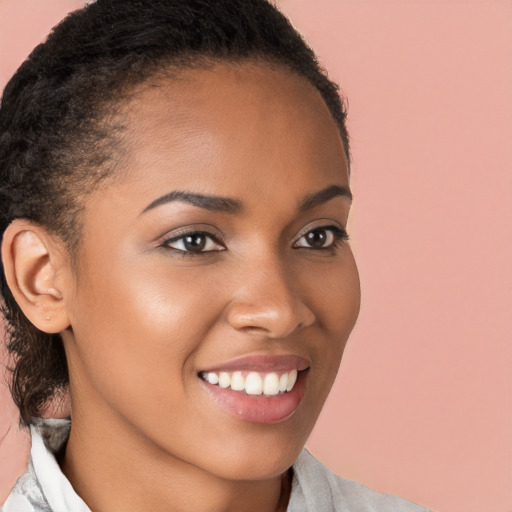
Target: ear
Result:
[[35, 265]]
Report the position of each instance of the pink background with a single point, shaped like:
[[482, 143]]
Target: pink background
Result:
[[423, 404]]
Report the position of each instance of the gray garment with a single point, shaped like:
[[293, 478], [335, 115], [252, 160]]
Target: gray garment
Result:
[[44, 488]]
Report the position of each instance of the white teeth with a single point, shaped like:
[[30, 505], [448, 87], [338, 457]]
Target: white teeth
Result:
[[283, 383], [237, 381], [212, 378], [224, 380], [271, 384], [253, 384], [268, 384], [292, 378]]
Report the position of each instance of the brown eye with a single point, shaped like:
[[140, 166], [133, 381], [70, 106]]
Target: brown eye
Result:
[[321, 238], [196, 242]]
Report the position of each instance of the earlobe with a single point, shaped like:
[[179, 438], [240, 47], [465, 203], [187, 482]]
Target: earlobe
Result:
[[33, 263]]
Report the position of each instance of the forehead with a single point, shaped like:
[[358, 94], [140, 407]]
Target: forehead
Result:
[[233, 123]]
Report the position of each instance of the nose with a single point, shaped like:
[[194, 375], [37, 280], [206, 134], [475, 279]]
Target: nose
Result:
[[266, 304]]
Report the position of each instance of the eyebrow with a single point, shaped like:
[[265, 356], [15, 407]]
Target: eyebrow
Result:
[[229, 205], [324, 195], [212, 203]]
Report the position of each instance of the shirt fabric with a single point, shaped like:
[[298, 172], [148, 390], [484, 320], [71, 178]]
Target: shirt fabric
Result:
[[44, 488]]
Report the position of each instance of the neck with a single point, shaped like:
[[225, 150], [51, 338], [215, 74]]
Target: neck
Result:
[[113, 468]]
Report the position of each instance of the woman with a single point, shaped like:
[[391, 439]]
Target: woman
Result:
[[175, 193]]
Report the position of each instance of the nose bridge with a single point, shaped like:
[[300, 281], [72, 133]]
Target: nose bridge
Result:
[[267, 299]]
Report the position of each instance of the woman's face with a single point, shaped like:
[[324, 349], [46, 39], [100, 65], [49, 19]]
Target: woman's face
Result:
[[217, 255]]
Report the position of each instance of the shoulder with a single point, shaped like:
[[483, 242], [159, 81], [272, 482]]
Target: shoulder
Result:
[[315, 488], [43, 487], [27, 495]]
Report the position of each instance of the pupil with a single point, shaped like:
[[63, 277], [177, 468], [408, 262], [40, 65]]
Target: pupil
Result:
[[194, 242], [316, 238]]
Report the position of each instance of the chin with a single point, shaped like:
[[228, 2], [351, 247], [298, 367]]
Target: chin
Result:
[[256, 468], [261, 458]]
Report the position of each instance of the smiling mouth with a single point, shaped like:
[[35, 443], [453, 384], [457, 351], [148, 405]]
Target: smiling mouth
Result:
[[253, 383], [258, 388]]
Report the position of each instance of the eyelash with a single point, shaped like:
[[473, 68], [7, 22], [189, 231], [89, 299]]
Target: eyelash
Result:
[[338, 235], [192, 234]]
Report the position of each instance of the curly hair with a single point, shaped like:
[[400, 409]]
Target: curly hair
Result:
[[58, 131]]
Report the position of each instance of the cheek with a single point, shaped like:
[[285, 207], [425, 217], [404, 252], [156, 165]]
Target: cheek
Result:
[[337, 298], [135, 324], [348, 289]]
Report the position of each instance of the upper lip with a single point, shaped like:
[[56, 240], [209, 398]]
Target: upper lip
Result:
[[262, 363]]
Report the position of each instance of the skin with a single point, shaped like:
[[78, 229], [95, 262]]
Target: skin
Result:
[[140, 318]]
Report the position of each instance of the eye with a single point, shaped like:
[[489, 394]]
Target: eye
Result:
[[322, 238], [194, 242]]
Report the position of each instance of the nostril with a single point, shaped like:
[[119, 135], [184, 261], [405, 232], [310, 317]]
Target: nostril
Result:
[[276, 315], [270, 330]]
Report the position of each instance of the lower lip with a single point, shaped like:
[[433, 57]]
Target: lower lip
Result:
[[260, 408]]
